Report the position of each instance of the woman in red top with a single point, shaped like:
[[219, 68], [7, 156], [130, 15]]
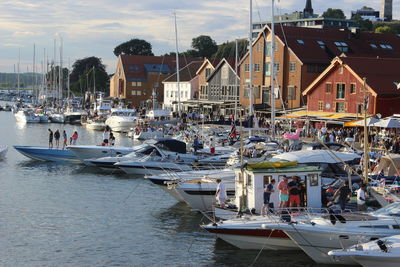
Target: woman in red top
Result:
[[74, 137]]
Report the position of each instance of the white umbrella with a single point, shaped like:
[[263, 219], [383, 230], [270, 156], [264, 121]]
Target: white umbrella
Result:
[[370, 122], [387, 123]]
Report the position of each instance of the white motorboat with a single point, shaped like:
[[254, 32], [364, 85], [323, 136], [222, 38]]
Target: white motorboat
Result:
[[122, 120], [151, 165], [384, 252], [57, 118], [26, 116], [148, 135], [97, 125], [318, 156], [337, 231], [3, 151], [83, 152]]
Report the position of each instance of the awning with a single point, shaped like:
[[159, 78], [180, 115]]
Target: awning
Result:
[[319, 115], [360, 123]]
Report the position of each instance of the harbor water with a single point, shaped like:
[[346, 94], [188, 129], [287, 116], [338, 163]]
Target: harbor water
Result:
[[55, 214]]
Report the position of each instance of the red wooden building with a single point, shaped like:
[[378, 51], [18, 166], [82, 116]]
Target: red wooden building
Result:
[[340, 87]]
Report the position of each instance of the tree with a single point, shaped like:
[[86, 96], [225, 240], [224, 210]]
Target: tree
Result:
[[204, 45], [134, 47], [384, 29], [82, 75], [363, 24], [334, 14], [228, 49]]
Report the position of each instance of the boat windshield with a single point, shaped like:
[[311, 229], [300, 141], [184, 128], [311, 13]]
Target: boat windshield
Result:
[[389, 210]]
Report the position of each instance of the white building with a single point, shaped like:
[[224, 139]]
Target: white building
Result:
[[188, 86]]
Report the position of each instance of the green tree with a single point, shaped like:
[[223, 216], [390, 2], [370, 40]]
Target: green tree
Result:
[[334, 14], [384, 29], [82, 75], [363, 24], [134, 47], [228, 49], [204, 46]]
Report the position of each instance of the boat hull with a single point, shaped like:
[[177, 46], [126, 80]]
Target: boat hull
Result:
[[46, 154], [92, 152]]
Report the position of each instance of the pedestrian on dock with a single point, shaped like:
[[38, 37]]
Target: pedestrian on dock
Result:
[[344, 194], [361, 198], [106, 135], [74, 138], [50, 138], [220, 194], [57, 138], [112, 139], [294, 188], [65, 139], [268, 190], [212, 146], [283, 192], [196, 144]]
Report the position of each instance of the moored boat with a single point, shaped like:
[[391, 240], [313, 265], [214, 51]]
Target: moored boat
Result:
[[47, 154]]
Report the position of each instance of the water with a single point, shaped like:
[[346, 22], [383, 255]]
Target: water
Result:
[[70, 215]]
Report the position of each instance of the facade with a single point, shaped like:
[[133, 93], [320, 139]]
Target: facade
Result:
[[386, 10], [340, 88], [204, 72], [301, 55], [138, 78], [188, 86]]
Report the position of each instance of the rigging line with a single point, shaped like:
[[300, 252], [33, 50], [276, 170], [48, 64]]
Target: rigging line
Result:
[[130, 193], [259, 253]]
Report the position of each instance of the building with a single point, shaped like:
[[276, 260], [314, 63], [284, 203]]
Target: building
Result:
[[386, 10], [204, 72], [301, 55], [340, 88], [188, 86], [307, 18], [366, 14], [137, 78]]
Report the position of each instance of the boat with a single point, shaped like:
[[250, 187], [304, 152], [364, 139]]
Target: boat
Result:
[[96, 124], [57, 117], [384, 252], [148, 135], [3, 151], [122, 120], [26, 116], [83, 152], [47, 154], [327, 232]]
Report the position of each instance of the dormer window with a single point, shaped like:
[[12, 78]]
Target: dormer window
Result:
[[386, 46], [321, 44], [300, 41], [373, 46], [342, 46]]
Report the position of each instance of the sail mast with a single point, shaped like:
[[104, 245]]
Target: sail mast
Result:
[[272, 72], [177, 68], [251, 60]]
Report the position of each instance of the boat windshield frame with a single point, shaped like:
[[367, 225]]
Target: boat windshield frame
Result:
[[392, 209]]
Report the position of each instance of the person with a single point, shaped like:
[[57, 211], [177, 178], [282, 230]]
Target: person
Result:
[[220, 194], [361, 198], [344, 193], [268, 190], [112, 139], [106, 135], [212, 146], [254, 153], [195, 144], [294, 188], [50, 138], [283, 192], [57, 138], [74, 138], [65, 139]]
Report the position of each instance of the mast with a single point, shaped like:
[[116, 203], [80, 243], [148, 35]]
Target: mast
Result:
[[34, 72], [19, 61], [54, 72], [236, 79], [94, 83], [366, 158], [177, 68], [272, 72], [68, 82], [251, 60], [60, 73]]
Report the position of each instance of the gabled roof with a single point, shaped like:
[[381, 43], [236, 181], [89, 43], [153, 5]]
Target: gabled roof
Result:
[[229, 62], [304, 43], [213, 62], [187, 73], [136, 67], [381, 73]]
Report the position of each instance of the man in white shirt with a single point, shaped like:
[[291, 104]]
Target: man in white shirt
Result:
[[220, 194], [361, 198]]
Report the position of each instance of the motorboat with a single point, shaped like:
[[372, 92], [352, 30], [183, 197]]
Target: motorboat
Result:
[[47, 154], [57, 117], [384, 252], [73, 114], [26, 116], [318, 156], [83, 152], [151, 165], [148, 135], [122, 120], [327, 232], [3, 151], [96, 124]]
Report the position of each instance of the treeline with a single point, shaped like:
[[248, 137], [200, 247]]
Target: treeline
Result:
[[26, 80]]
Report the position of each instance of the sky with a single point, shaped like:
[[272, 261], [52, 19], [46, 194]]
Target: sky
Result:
[[96, 27]]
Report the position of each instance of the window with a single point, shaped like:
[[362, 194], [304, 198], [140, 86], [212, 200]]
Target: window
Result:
[[320, 105], [340, 107], [328, 88], [340, 90], [266, 96], [257, 67], [267, 49], [259, 48], [276, 66], [360, 108], [373, 46], [353, 88], [267, 70], [186, 93], [138, 92], [208, 72], [386, 46], [300, 41], [166, 93], [292, 66], [341, 69], [133, 92], [321, 44], [139, 84], [133, 83], [246, 67], [342, 46], [291, 93]]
